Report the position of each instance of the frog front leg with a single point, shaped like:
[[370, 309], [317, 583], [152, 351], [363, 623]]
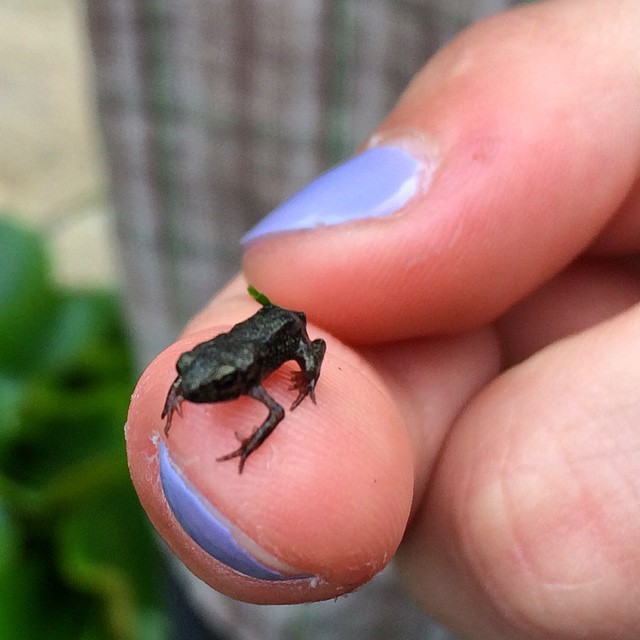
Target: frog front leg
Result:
[[276, 414], [172, 403], [309, 358]]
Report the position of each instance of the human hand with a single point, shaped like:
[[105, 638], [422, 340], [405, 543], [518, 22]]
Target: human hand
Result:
[[489, 391]]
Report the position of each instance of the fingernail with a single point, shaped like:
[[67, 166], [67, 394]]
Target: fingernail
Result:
[[376, 183], [212, 532]]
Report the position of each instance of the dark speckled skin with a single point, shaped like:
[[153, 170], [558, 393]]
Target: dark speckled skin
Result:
[[235, 363]]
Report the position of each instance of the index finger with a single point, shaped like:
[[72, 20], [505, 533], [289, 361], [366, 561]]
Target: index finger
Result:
[[499, 165]]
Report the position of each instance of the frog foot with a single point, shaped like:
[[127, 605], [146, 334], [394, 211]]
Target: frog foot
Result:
[[303, 386], [241, 452]]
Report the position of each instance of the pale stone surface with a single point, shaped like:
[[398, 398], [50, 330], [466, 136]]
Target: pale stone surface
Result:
[[51, 171]]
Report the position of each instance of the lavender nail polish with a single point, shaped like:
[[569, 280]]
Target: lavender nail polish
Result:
[[208, 528], [376, 183]]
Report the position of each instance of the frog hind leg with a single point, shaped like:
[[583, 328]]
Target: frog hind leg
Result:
[[261, 433]]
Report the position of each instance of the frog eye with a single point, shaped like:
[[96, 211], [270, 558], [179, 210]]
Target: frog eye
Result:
[[225, 375], [184, 361]]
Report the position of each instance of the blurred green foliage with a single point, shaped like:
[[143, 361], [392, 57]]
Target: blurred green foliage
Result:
[[76, 555]]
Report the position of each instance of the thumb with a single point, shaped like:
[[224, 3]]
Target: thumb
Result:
[[505, 158], [317, 518]]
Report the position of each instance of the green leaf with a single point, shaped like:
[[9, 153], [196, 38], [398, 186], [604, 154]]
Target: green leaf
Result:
[[61, 428], [26, 295], [76, 555], [12, 398], [105, 550], [85, 327], [20, 580], [258, 296]]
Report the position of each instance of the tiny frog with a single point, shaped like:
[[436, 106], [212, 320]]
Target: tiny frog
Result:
[[235, 363]]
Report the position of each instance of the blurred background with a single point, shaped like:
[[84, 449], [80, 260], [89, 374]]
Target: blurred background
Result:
[[51, 170], [76, 553], [77, 557]]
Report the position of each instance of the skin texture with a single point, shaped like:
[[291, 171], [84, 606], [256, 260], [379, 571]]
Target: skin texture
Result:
[[495, 392]]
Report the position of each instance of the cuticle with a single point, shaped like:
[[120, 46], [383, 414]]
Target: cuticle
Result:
[[410, 139]]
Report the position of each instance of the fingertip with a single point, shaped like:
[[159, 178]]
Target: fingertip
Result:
[[319, 508]]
